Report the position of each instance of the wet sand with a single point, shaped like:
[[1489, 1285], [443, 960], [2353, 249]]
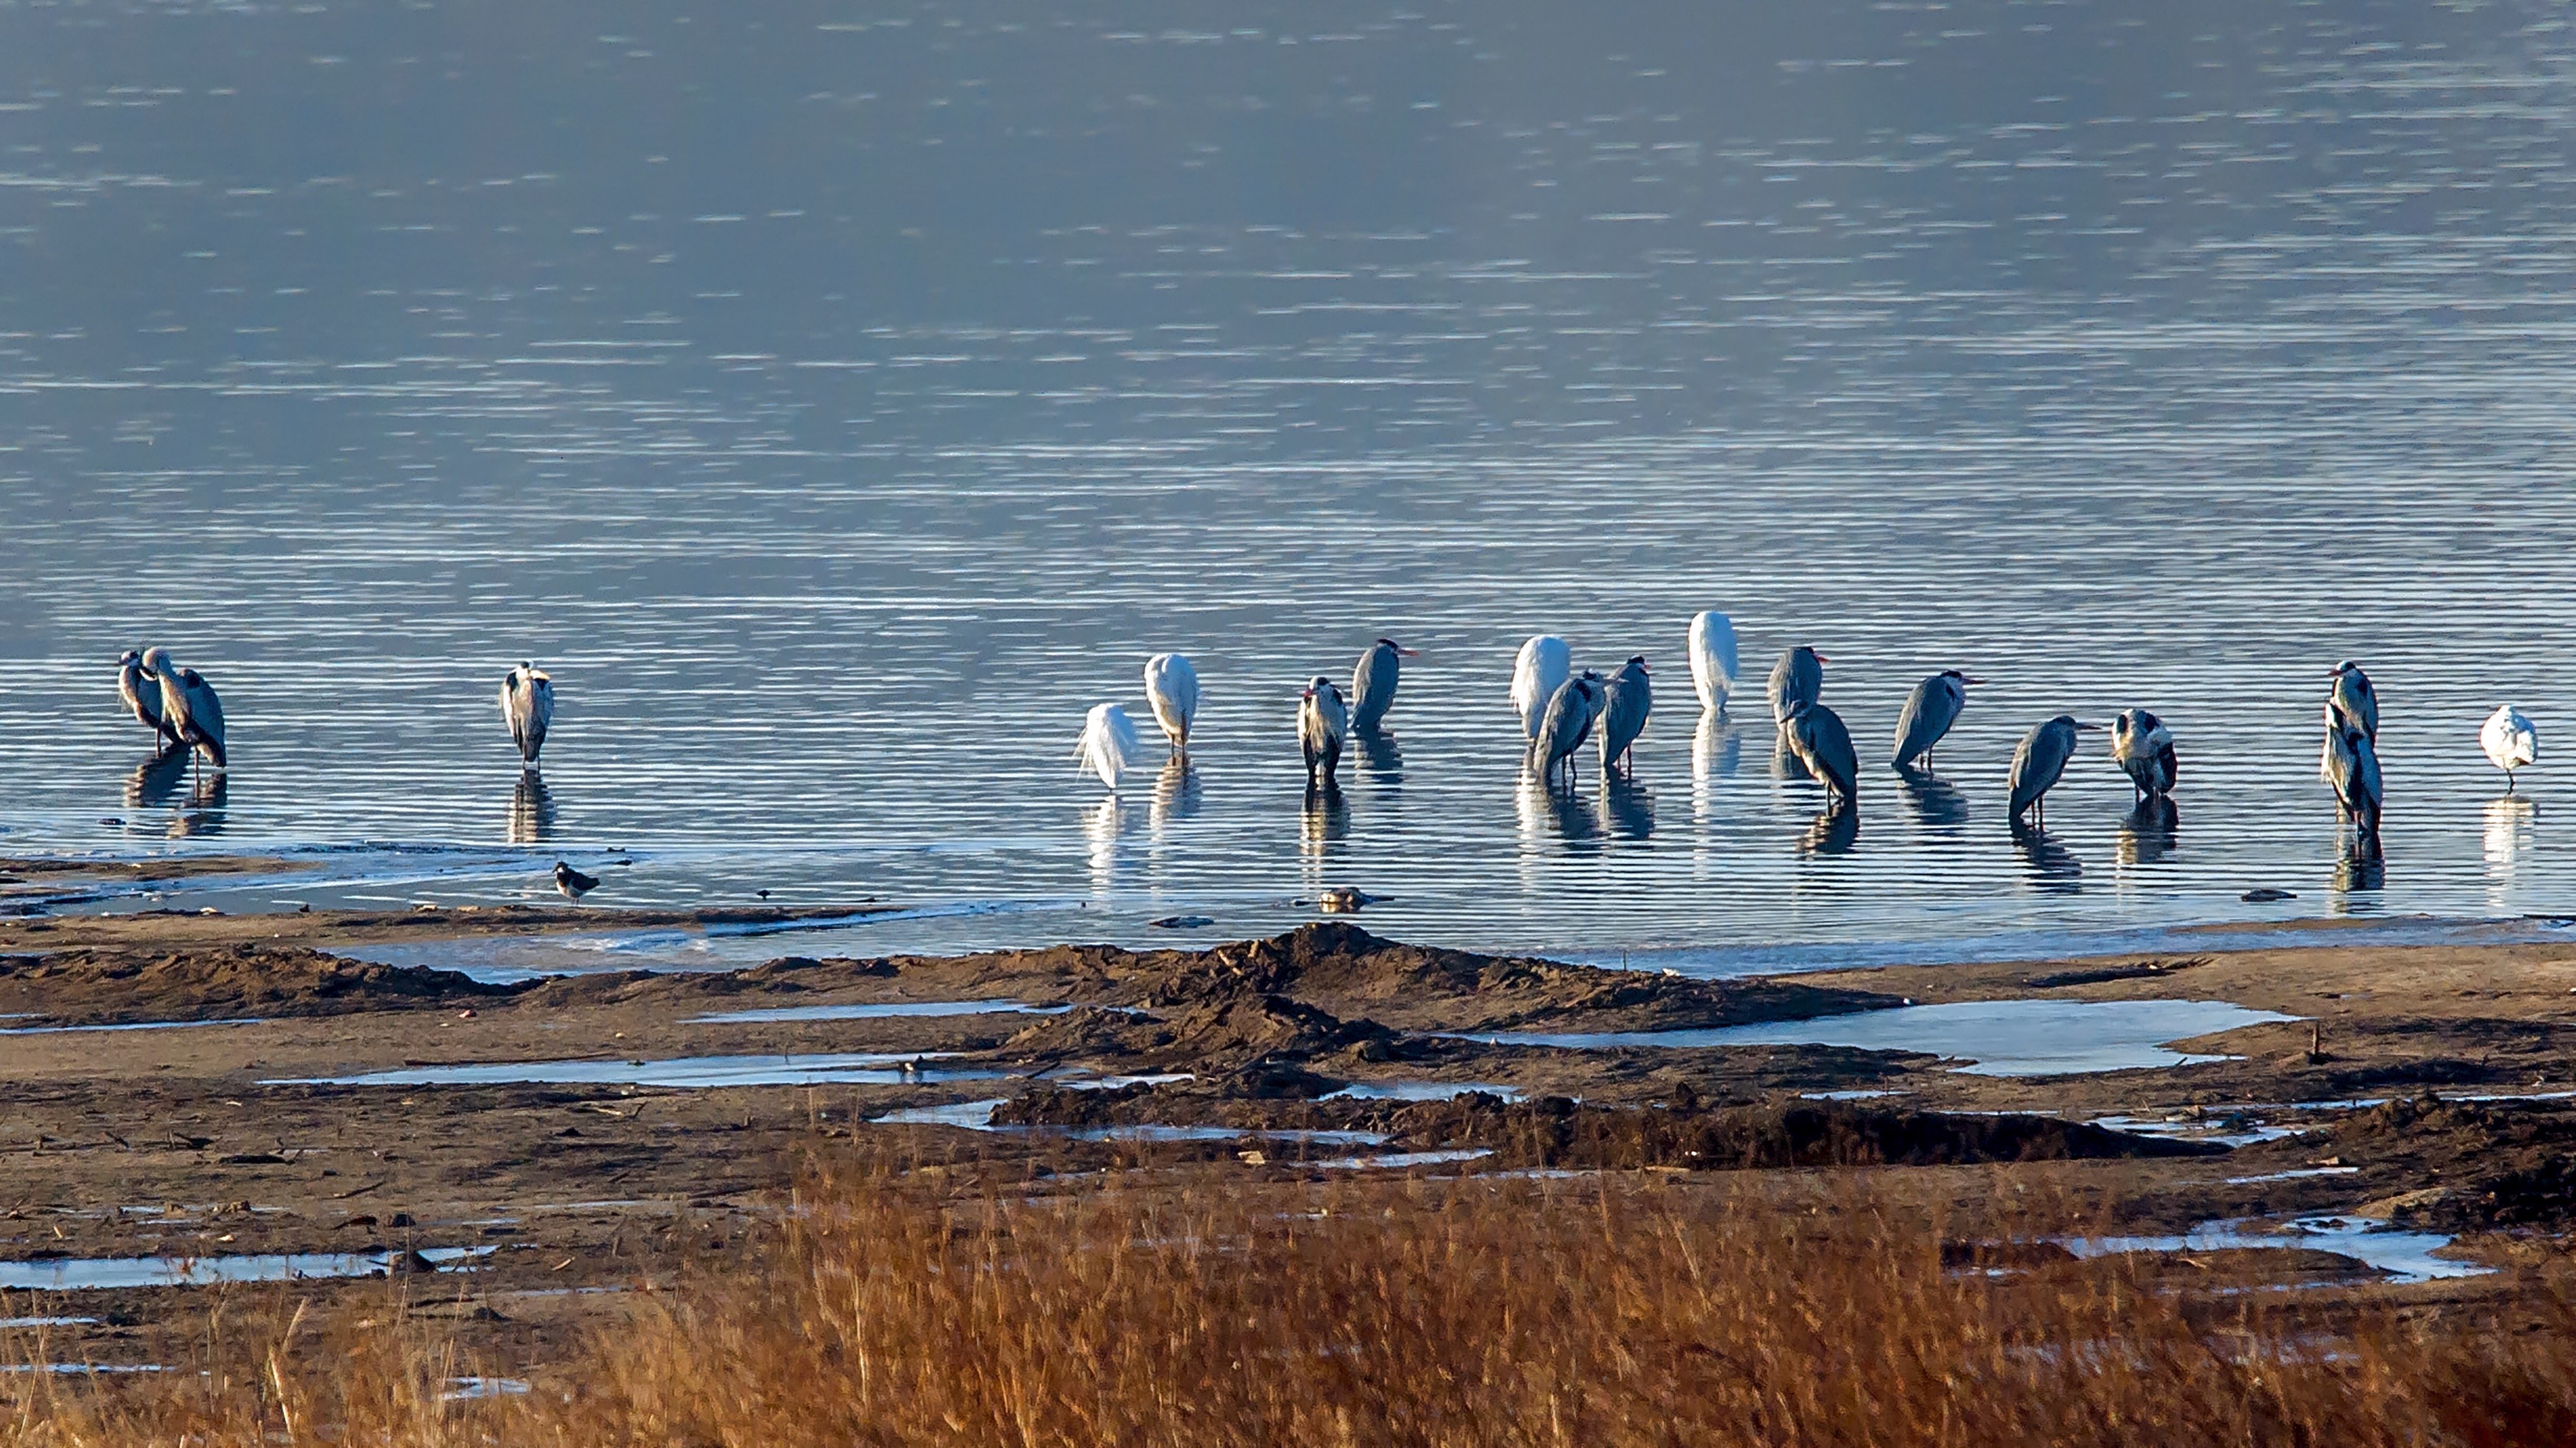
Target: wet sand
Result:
[[225, 1136]]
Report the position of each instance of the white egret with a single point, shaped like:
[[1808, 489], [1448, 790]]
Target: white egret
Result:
[[1545, 662], [1172, 687], [1108, 746], [1712, 660], [2510, 741]]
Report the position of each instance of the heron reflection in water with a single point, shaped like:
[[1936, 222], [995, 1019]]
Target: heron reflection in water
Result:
[[1834, 831], [532, 809], [2360, 868], [1327, 819], [2148, 831], [2051, 865], [1543, 812], [204, 815], [155, 782], [1381, 760], [1935, 801], [1176, 792], [1630, 807]]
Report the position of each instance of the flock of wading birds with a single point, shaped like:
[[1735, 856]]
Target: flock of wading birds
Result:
[[1561, 710]]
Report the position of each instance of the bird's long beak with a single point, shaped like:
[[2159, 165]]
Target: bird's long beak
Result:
[[1305, 693], [1408, 653], [1970, 679], [2089, 728], [1820, 658]]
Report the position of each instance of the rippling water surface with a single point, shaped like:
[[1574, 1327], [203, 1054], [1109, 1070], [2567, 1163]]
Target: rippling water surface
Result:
[[840, 401]]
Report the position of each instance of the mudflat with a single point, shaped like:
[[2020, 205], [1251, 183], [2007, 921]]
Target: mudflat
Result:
[[218, 1088]]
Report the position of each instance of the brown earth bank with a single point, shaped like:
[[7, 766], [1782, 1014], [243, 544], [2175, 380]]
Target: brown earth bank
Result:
[[216, 1139]]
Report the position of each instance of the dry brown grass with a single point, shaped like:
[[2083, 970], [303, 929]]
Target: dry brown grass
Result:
[[1424, 1313]]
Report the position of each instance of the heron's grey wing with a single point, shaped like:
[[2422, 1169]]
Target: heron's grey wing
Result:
[[206, 716], [541, 716], [1373, 686], [1914, 730]]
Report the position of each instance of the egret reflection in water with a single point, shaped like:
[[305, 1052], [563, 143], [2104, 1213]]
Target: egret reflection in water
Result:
[[1834, 831], [2050, 865], [1176, 792], [1935, 801], [155, 782], [1629, 806], [532, 810], [2148, 831], [2509, 819], [1717, 747], [1105, 825]]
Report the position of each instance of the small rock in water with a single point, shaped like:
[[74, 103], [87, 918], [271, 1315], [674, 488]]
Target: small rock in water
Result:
[[1182, 922], [1343, 900], [2267, 894]]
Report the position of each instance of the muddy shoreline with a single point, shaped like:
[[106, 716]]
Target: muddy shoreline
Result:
[[180, 1084]]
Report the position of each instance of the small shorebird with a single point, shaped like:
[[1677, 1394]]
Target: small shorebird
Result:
[[1712, 660], [1538, 672], [1322, 722], [2143, 747], [573, 883], [528, 703], [2510, 741], [1172, 688], [1108, 746], [1373, 683], [1928, 714], [2038, 761], [1799, 678], [1626, 700]]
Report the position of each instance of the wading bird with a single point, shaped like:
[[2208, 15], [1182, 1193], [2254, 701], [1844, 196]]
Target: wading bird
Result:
[[189, 707], [1816, 734], [1172, 687], [2143, 748], [1928, 714], [1373, 683], [573, 882], [1322, 722], [1544, 662], [1625, 701], [141, 695], [1712, 660], [1108, 746], [2510, 741], [1799, 678], [528, 706], [2038, 760], [2352, 767], [1566, 724], [2350, 703]]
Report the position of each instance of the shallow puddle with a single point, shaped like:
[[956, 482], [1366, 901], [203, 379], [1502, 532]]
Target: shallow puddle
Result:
[[1418, 1091], [460, 1390], [1994, 1038], [129, 1026], [1395, 1159], [877, 1069], [978, 1116], [892, 1010], [93, 1273], [2291, 1176], [2222, 1131], [2404, 1256]]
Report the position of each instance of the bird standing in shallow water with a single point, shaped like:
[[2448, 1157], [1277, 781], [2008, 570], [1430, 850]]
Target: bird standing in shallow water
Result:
[[1568, 721], [573, 883], [528, 706], [1108, 746], [1172, 688], [1373, 683], [1799, 678], [141, 695], [1322, 722], [2352, 767], [1816, 734], [2143, 748], [1712, 660], [1928, 714], [2350, 703], [188, 706], [1626, 700], [2038, 761], [1544, 663], [2510, 741]]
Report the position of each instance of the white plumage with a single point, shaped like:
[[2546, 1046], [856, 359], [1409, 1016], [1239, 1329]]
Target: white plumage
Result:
[[1172, 687], [1712, 660], [1545, 663], [528, 705], [1109, 746], [2509, 740]]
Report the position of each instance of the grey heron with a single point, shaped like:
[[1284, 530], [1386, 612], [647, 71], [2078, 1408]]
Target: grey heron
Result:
[[2352, 767], [1544, 663], [1323, 721], [141, 695], [1928, 714], [1817, 736], [2350, 700], [2510, 741], [528, 707], [1108, 746], [1712, 660], [1373, 683], [1799, 678], [573, 883], [1172, 688], [188, 705], [2143, 748], [1566, 724], [2039, 759], [1625, 701]]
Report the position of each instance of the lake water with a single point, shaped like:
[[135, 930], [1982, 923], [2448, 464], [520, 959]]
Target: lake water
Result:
[[841, 401]]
